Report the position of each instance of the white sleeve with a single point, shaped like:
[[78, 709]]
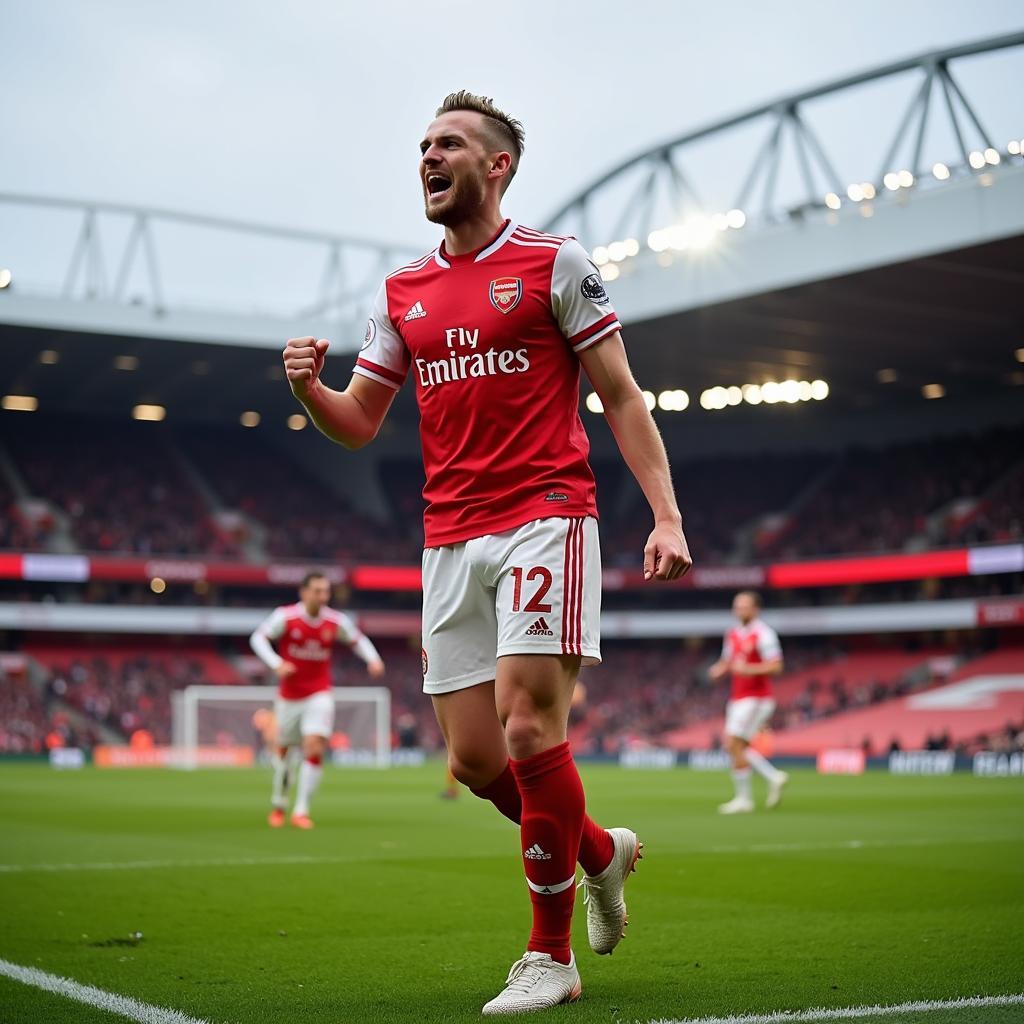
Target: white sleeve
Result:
[[349, 633], [579, 301], [768, 643], [271, 628], [383, 357]]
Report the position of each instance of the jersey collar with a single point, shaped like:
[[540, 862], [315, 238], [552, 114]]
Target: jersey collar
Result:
[[444, 260]]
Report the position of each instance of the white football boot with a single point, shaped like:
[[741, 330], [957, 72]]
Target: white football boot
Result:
[[536, 982], [737, 805], [775, 788], [602, 894]]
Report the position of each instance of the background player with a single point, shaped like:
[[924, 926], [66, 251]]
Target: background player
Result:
[[752, 653], [305, 634], [493, 327]]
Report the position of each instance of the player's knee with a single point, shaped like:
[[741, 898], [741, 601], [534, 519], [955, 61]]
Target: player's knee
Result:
[[313, 747], [524, 734], [474, 767]]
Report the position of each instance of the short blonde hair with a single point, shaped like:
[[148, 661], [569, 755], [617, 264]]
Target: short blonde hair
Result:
[[503, 130]]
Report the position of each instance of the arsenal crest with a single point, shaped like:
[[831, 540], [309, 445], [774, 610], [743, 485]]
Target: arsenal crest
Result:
[[505, 293]]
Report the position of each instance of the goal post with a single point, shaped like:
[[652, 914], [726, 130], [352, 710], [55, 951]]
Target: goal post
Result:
[[217, 716]]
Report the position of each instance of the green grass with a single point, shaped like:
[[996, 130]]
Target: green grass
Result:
[[418, 907]]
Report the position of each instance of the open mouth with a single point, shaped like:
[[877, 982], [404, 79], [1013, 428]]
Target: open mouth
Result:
[[438, 184]]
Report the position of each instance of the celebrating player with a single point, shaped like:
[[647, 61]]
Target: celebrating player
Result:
[[751, 652], [493, 327], [305, 634]]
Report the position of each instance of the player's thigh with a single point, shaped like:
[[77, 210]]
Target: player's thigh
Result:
[[472, 733], [534, 695], [548, 597], [459, 624], [318, 715], [741, 718], [288, 715]]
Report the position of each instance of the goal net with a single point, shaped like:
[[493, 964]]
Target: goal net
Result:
[[208, 718]]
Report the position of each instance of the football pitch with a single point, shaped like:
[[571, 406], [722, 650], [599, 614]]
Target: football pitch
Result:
[[169, 888]]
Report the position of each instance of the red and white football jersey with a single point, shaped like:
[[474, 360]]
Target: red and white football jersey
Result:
[[307, 643], [751, 644], [491, 340]]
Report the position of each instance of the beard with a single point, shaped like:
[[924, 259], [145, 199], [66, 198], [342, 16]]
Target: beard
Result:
[[466, 196]]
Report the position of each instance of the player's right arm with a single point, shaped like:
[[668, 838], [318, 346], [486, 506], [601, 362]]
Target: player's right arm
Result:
[[720, 669], [260, 640], [351, 417], [354, 416]]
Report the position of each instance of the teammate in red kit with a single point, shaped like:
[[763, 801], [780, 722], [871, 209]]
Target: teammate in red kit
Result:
[[493, 327], [305, 634], [751, 652]]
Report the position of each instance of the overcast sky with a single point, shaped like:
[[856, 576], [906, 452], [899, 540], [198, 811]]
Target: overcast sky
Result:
[[308, 113]]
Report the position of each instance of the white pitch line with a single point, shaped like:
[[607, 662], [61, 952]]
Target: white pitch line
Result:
[[143, 865], [850, 844], [125, 1006], [852, 1012]]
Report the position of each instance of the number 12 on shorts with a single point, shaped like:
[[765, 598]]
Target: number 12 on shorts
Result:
[[536, 604]]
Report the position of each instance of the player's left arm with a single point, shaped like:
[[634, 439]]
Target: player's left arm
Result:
[[666, 555], [362, 646]]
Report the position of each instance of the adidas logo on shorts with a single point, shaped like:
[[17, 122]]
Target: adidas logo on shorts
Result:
[[539, 628], [536, 853]]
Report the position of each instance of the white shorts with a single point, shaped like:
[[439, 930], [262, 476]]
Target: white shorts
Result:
[[310, 716], [747, 716], [535, 589]]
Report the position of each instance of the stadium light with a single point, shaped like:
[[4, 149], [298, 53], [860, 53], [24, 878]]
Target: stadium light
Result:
[[126, 362], [20, 403], [891, 181], [832, 201], [617, 251], [1020, 355], [790, 391], [887, 376], [649, 400], [5, 277], [991, 156], [600, 255], [609, 272], [976, 159], [941, 171], [157, 585], [657, 241], [297, 421], [933, 391], [49, 357], [249, 418], [752, 394], [855, 192], [150, 413], [733, 395], [594, 403], [868, 189], [736, 218], [1013, 147], [819, 390], [632, 246], [673, 401], [905, 179], [770, 392]]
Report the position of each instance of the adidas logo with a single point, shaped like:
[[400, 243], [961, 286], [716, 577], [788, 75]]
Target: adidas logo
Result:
[[536, 853], [539, 628], [416, 312]]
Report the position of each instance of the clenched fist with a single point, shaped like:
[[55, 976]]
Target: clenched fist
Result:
[[303, 362]]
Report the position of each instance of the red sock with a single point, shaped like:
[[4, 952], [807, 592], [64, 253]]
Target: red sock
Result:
[[553, 813], [315, 759], [596, 845]]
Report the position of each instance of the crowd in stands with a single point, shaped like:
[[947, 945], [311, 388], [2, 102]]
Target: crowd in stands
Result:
[[879, 500], [139, 489], [121, 489]]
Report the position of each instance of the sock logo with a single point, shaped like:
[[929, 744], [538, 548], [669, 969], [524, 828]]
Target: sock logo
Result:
[[540, 628], [536, 853]]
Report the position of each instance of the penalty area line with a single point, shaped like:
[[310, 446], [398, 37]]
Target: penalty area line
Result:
[[124, 1006], [852, 1012]]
